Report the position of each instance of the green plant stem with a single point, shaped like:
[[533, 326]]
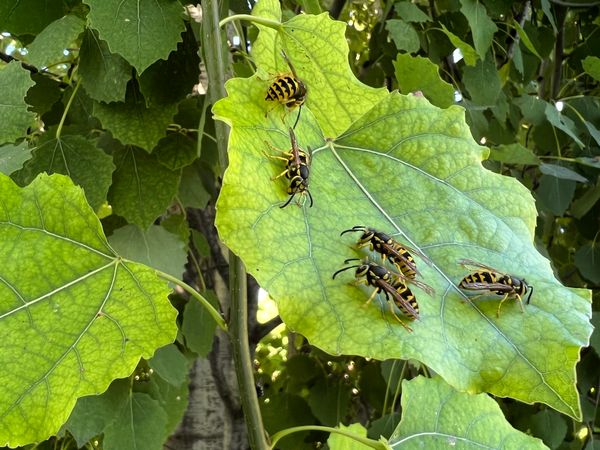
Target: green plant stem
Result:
[[259, 20], [238, 330], [378, 445], [66, 111], [194, 293]]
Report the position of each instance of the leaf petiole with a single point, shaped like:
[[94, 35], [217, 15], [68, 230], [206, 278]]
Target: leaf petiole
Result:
[[377, 445], [259, 20]]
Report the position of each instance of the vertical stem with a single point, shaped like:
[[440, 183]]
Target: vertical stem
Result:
[[561, 15], [214, 55]]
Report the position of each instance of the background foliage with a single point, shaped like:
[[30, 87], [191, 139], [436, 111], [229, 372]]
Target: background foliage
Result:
[[105, 97]]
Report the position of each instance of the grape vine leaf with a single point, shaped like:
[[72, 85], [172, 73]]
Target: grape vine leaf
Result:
[[142, 188], [14, 83], [435, 416], [318, 49], [414, 171], [104, 75], [75, 156], [415, 73], [142, 31], [74, 315], [49, 45]]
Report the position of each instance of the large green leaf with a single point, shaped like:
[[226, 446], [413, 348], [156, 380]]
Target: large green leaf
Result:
[[74, 315], [435, 416], [318, 50], [142, 31], [80, 159], [412, 170], [28, 16], [14, 117], [49, 45]]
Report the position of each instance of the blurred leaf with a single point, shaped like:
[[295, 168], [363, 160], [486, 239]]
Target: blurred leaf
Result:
[[594, 132], [28, 16], [140, 423], [142, 188], [532, 108], [142, 31], [155, 247], [562, 122], [514, 154], [93, 413], [384, 426], [198, 326], [467, 51], [284, 411], [192, 192], [550, 426], [410, 12], [176, 150], [587, 260], [133, 123], [311, 6], [595, 339], [329, 400], [525, 39], [415, 73], [14, 117], [482, 82], [434, 416], [591, 65], [482, 27], [170, 364], [404, 35], [589, 161], [547, 8], [75, 156], [555, 194], [561, 172], [585, 202], [12, 157], [104, 75], [49, 45], [340, 442], [67, 301]]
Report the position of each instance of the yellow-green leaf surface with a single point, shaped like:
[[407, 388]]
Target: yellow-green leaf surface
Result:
[[318, 51], [73, 314], [412, 170], [435, 416]]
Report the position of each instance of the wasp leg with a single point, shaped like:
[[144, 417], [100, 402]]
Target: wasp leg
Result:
[[398, 318], [500, 304], [520, 303], [474, 297], [280, 175], [375, 292]]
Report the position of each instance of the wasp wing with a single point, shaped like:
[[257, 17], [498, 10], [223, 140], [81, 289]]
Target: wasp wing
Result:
[[389, 289], [487, 287]]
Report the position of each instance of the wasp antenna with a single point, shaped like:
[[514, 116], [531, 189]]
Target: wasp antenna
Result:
[[341, 270], [351, 259], [293, 137], [289, 200], [298, 116], [353, 229], [530, 293]]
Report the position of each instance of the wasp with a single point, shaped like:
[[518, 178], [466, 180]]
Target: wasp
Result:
[[288, 89], [297, 168], [496, 282], [398, 254], [372, 274]]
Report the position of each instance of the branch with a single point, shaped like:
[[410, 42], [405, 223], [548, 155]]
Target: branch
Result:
[[9, 58]]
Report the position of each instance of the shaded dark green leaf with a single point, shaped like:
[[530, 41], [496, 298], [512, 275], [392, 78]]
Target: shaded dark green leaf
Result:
[[585, 202], [591, 65], [415, 73], [555, 194], [514, 154], [482, 27], [561, 172], [198, 326], [562, 122], [176, 150], [104, 75], [170, 364], [482, 82], [410, 12], [28, 16], [49, 45], [14, 116], [43, 94], [404, 35], [587, 260], [12, 157]]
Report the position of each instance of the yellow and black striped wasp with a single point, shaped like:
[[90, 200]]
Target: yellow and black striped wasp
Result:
[[398, 254], [372, 274], [288, 89], [495, 282], [297, 168]]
